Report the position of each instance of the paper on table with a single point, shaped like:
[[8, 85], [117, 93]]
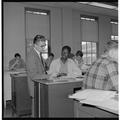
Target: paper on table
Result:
[[62, 78], [93, 95], [109, 103], [21, 74], [16, 72]]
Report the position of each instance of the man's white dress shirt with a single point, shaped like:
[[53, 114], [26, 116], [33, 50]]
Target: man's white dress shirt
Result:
[[72, 68]]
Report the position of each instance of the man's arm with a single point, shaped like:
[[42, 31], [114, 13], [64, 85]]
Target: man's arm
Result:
[[74, 69], [12, 65], [113, 74], [23, 65], [32, 70], [53, 70]]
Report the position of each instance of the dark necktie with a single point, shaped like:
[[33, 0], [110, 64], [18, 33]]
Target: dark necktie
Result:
[[43, 62]]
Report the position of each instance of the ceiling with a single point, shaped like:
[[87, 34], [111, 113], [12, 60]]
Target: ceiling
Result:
[[111, 3], [82, 7]]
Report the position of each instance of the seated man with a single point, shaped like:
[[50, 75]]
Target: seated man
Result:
[[17, 62], [64, 66], [71, 56], [103, 73], [48, 61], [79, 62]]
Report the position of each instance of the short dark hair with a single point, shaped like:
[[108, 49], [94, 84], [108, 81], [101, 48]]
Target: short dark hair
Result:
[[17, 55], [79, 53], [71, 55], [51, 54], [66, 47], [37, 38]]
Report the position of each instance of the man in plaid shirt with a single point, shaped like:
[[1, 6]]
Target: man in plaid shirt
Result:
[[103, 73]]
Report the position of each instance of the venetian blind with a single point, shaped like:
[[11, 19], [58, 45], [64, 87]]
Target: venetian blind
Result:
[[89, 30]]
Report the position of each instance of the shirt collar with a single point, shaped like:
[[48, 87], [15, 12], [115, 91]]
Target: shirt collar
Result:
[[108, 57], [65, 62], [76, 61]]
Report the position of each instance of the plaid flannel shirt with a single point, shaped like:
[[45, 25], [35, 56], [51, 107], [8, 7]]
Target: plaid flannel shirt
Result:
[[103, 74]]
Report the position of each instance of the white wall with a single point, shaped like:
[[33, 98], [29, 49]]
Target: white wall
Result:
[[76, 34], [65, 29], [56, 32], [104, 32], [14, 34], [67, 26]]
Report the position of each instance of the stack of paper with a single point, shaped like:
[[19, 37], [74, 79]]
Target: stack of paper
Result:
[[100, 98], [21, 71], [66, 78], [109, 103], [93, 94]]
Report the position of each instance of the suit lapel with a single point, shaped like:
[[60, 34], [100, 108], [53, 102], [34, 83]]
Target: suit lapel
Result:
[[40, 60]]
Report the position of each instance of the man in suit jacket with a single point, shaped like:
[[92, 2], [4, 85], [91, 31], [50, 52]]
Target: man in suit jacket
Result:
[[35, 66]]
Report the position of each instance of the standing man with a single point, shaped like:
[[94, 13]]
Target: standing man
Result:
[[79, 62], [103, 73], [35, 65]]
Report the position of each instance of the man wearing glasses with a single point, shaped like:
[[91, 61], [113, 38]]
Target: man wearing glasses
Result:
[[35, 65]]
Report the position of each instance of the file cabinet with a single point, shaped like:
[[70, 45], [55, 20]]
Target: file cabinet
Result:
[[21, 102]]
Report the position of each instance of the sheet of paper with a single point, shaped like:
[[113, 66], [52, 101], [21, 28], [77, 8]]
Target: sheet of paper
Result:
[[16, 72], [100, 98], [110, 104], [66, 78], [93, 94], [22, 74]]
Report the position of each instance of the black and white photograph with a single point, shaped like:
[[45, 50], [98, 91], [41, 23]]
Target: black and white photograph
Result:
[[60, 59]]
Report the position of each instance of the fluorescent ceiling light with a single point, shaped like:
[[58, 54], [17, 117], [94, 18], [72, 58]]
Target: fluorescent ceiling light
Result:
[[38, 13], [85, 18], [98, 4], [114, 22]]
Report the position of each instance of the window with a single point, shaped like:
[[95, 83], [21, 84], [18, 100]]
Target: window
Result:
[[37, 22], [89, 52], [89, 29], [45, 53], [114, 37], [114, 25]]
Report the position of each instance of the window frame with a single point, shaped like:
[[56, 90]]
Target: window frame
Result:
[[30, 40], [113, 37], [91, 18], [90, 53]]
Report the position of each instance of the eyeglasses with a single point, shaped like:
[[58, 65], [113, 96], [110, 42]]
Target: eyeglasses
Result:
[[43, 46]]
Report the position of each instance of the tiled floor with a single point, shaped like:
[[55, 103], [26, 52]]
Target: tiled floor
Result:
[[9, 114]]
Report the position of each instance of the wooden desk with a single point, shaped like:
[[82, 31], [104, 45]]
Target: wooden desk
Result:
[[51, 98], [7, 87], [21, 102], [90, 111]]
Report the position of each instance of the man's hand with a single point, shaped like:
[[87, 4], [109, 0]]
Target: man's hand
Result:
[[13, 66], [61, 74], [44, 76], [16, 62]]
